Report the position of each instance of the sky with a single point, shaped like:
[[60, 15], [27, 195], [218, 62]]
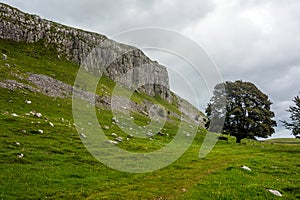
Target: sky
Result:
[[250, 40]]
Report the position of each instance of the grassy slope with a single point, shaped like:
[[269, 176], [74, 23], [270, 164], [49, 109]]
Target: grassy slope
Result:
[[57, 165]]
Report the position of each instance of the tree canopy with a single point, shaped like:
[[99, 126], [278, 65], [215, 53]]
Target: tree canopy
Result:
[[247, 110], [294, 125]]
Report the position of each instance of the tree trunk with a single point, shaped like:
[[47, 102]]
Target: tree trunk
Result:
[[238, 140]]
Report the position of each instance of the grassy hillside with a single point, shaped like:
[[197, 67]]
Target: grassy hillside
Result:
[[57, 165]]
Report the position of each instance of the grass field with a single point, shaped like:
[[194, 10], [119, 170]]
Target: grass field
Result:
[[56, 164]]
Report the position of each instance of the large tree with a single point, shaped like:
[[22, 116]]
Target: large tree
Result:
[[246, 110], [294, 125]]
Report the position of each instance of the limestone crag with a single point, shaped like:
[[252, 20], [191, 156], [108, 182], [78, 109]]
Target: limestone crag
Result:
[[130, 68]]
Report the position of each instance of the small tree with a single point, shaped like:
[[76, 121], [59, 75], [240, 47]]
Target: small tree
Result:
[[294, 125], [248, 111]]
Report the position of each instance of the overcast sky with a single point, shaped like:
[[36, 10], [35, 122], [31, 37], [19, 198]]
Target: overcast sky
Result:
[[252, 40]]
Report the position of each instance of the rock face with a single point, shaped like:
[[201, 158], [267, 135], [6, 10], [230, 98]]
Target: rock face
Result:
[[127, 65]]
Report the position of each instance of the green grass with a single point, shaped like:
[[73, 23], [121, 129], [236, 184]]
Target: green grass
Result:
[[56, 165], [288, 141]]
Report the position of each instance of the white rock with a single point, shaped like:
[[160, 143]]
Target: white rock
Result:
[[51, 124], [115, 135], [275, 192], [40, 131], [24, 131], [114, 119], [17, 143], [112, 142], [246, 168], [27, 114], [90, 123], [14, 115], [119, 139], [38, 115], [4, 56], [20, 155], [28, 102], [106, 127], [188, 135], [82, 135]]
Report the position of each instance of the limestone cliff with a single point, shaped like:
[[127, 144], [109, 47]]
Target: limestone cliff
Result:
[[76, 45]]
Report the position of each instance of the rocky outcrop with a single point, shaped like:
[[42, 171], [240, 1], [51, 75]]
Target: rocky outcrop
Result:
[[130, 68]]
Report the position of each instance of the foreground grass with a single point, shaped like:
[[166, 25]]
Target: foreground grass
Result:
[[57, 165]]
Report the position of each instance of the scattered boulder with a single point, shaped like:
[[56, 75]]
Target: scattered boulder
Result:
[[18, 144], [28, 102], [245, 168], [119, 139], [41, 131], [4, 56], [51, 124], [275, 192], [112, 142], [106, 127], [7, 65], [114, 119], [114, 135], [36, 114], [14, 115], [82, 135], [20, 155]]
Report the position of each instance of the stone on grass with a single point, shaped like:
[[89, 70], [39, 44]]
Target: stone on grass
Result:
[[4, 56], [28, 102], [112, 142], [246, 168], [82, 135], [115, 135], [51, 124], [119, 139], [20, 155], [106, 127], [18, 144], [14, 115], [275, 192], [40, 131], [114, 119]]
